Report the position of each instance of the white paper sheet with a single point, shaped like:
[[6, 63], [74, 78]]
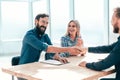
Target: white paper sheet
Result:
[[53, 62]]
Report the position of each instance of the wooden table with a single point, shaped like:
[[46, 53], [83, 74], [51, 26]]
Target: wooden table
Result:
[[70, 71]]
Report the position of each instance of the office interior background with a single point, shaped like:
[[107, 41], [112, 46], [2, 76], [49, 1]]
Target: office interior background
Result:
[[94, 16]]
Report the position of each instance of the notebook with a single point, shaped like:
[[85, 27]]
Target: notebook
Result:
[[52, 62]]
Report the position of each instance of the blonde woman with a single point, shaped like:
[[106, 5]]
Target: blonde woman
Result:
[[72, 37]]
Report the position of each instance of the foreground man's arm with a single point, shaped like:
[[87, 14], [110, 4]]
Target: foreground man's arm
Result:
[[71, 50]]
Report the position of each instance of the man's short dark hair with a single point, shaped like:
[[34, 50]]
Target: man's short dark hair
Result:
[[117, 10], [41, 16]]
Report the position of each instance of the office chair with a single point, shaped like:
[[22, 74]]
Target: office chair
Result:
[[15, 61]]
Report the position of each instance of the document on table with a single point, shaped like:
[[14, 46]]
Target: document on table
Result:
[[53, 62]]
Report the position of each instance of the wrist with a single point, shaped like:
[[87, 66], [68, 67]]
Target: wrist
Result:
[[86, 49]]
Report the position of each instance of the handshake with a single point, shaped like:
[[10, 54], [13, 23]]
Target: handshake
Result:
[[76, 50], [73, 51]]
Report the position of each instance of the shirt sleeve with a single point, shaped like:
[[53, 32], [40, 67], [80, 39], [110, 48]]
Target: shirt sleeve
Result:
[[48, 40], [32, 40], [110, 60], [64, 43], [48, 55], [102, 49]]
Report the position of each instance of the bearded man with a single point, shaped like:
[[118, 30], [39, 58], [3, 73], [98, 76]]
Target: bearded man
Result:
[[113, 59], [36, 40]]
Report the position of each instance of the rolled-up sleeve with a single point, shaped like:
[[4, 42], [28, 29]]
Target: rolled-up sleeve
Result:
[[45, 46]]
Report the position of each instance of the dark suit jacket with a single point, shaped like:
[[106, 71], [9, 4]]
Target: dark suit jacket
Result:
[[112, 59]]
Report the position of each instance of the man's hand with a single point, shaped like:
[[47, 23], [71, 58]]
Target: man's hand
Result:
[[74, 50], [61, 59], [82, 64], [83, 51]]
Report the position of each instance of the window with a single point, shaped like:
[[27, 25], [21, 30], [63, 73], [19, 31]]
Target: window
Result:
[[112, 4], [14, 16], [59, 18], [90, 14]]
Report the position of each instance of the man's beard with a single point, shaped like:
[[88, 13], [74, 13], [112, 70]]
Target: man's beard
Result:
[[40, 30], [116, 29]]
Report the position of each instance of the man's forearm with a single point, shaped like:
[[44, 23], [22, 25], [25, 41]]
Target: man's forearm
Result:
[[71, 50], [57, 49]]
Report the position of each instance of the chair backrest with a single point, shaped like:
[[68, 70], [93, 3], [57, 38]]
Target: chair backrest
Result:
[[15, 60]]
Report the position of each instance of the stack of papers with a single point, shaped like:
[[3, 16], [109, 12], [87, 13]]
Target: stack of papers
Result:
[[53, 62]]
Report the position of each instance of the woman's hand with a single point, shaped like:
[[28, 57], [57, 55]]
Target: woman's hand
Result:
[[79, 42]]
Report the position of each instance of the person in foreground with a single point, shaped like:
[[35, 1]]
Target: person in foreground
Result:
[[114, 51], [36, 40], [72, 37]]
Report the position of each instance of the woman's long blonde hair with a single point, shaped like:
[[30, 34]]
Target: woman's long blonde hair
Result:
[[78, 28]]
